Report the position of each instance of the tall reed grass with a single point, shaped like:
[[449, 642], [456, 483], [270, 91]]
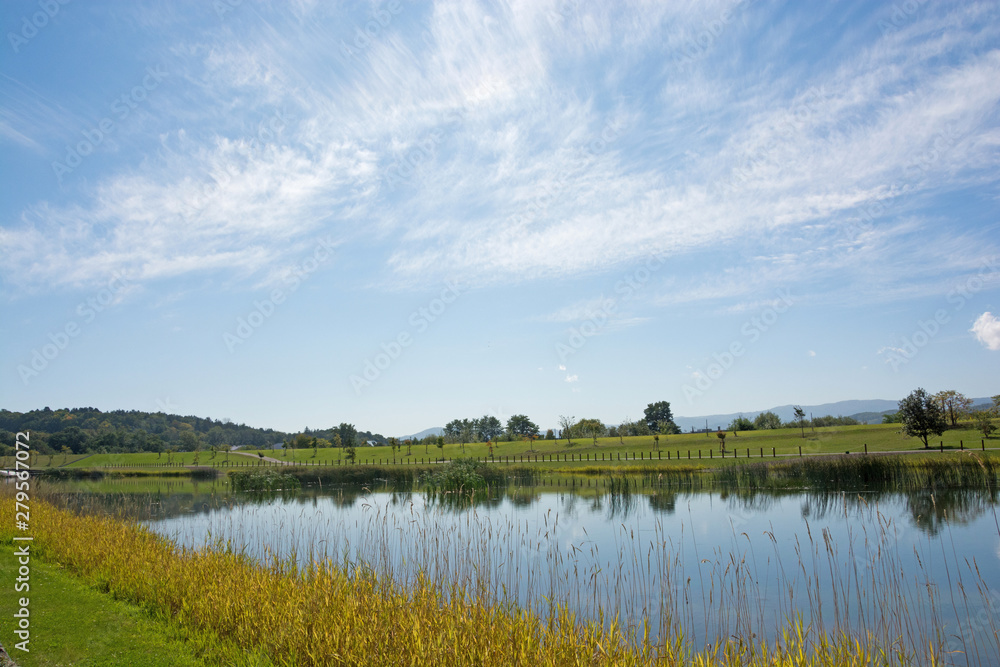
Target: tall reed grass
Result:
[[287, 611]]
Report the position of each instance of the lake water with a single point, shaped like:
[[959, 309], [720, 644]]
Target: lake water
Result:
[[908, 568]]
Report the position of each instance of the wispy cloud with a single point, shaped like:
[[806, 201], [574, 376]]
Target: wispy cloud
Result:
[[532, 171]]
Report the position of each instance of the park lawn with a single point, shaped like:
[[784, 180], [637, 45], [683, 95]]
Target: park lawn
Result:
[[73, 624]]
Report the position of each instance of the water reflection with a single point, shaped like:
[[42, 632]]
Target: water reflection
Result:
[[712, 562], [928, 509]]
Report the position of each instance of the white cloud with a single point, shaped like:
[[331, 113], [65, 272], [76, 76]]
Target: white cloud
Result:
[[812, 353], [987, 330], [572, 378], [514, 190]]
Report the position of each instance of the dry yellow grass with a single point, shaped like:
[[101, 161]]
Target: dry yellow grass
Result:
[[244, 611]]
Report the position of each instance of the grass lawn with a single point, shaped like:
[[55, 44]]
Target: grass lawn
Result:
[[608, 451], [73, 624]]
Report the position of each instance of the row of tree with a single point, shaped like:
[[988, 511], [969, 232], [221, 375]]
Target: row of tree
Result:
[[923, 415], [954, 407], [770, 420], [658, 419], [88, 430]]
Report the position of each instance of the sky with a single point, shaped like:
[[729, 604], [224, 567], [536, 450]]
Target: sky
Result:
[[295, 214]]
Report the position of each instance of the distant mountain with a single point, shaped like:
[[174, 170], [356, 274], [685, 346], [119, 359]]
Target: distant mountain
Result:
[[437, 430], [871, 417], [787, 413], [870, 411]]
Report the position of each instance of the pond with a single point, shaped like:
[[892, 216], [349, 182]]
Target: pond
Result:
[[909, 568]]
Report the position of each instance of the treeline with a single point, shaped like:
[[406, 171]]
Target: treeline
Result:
[[769, 420], [88, 430], [658, 419]]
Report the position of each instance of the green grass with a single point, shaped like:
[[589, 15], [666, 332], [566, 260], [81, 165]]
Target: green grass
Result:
[[73, 624], [775, 443]]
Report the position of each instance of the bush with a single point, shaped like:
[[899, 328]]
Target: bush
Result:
[[263, 480], [463, 475]]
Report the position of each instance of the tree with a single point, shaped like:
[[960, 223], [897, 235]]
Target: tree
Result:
[[520, 426], [348, 434], [638, 427], [72, 438], [440, 446], [453, 429], [891, 418], [566, 427], [394, 445], [350, 453], [489, 428], [800, 415], [741, 423], [592, 427], [656, 413], [984, 422], [550, 435], [922, 416], [767, 420], [469, 427], [953, 404]]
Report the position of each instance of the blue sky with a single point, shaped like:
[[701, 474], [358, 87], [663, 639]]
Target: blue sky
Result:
[[294, 214]]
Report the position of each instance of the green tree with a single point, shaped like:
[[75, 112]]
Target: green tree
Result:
[[741, 423], [766, 421], [348, 435], [440, 446], [891, 418], [519, 426], [800, 415], [592, 427], [657, 413], [73, 438], [550, 434], [566, 428], [953, 404], [984, 422], [453, 430], [489, 428], [922, 416]]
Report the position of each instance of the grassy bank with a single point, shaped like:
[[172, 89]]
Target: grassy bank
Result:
[[74, 624], [321, 615]]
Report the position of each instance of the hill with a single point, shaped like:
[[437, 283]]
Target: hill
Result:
[[435, 431]]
